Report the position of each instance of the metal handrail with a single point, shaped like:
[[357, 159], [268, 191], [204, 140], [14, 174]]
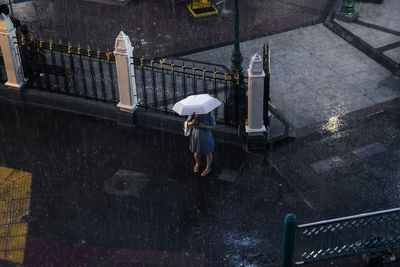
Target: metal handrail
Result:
[[342, 219], [340, 237]]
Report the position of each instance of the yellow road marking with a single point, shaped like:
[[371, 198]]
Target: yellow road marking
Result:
[[15, 196]]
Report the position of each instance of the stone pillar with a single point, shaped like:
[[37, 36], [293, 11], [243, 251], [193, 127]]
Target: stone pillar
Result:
[[11, 56], [125, 73], [256, 74]]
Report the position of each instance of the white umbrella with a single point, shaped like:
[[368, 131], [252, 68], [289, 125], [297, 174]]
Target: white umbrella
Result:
[[198, 104]]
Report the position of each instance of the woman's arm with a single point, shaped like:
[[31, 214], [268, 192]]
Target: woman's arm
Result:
[[207, 127], [193, 122]]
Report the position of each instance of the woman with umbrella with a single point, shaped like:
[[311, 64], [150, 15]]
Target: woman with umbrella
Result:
[[201, 139]]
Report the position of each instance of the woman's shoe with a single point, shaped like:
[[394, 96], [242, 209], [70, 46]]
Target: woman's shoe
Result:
[[196, 168], [206, 172]]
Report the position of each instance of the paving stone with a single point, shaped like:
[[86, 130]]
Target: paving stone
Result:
[[327, 164], [125, 183], [369, 150], [228, 176]]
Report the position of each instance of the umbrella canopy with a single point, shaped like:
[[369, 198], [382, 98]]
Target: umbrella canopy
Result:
[[198, 104]]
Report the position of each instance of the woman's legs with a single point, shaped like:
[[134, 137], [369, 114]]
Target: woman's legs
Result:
[[197, 159], [207, 170], [209, 157]]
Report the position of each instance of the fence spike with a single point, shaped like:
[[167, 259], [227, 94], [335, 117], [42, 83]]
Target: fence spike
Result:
[[69, 47], [50, 45], [98, 52], [215, 73], [22, 39], [141, 62], [79, 48], [88, 51], [108, 54], [151, 63]]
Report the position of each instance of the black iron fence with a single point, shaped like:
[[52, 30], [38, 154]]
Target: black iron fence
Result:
[[3, 74], [161, 83], [92, 74], [65, 69]]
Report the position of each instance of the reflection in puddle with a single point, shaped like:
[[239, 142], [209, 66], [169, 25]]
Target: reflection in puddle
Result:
[[333, 124]]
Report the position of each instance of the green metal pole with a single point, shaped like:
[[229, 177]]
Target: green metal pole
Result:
[[236, 105], [236, 55], [288, 240], [348, 7]]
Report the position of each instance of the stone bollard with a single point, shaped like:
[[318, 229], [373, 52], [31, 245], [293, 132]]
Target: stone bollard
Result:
[[11, 56], [255, 129], [255, 123], [125, 73]]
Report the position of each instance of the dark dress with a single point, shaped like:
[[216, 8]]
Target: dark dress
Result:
[[202, 140]]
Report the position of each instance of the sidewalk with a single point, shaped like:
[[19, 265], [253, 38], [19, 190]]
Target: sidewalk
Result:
[[315, 74]]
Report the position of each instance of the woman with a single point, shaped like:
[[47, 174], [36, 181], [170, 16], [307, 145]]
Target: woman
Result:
[[202, 140]]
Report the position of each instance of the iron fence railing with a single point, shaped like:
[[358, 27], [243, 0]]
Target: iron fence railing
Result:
[[69, 70], [161, 84], [92, 74], [330, 239], [3, 74]]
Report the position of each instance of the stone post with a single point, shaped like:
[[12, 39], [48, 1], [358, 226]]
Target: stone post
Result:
[[125, 73], [11, 56], [255, 109]]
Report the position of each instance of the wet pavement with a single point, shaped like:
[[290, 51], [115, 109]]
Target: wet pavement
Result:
[[162, 214], [160, 28], [72, 156], [378, 25], [315, 74]]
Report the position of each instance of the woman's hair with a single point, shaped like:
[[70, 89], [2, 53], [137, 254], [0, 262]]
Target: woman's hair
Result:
[[4, 9]]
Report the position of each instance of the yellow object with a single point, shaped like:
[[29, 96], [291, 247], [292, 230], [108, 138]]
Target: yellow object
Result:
[[15, 196], [202, 8]]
